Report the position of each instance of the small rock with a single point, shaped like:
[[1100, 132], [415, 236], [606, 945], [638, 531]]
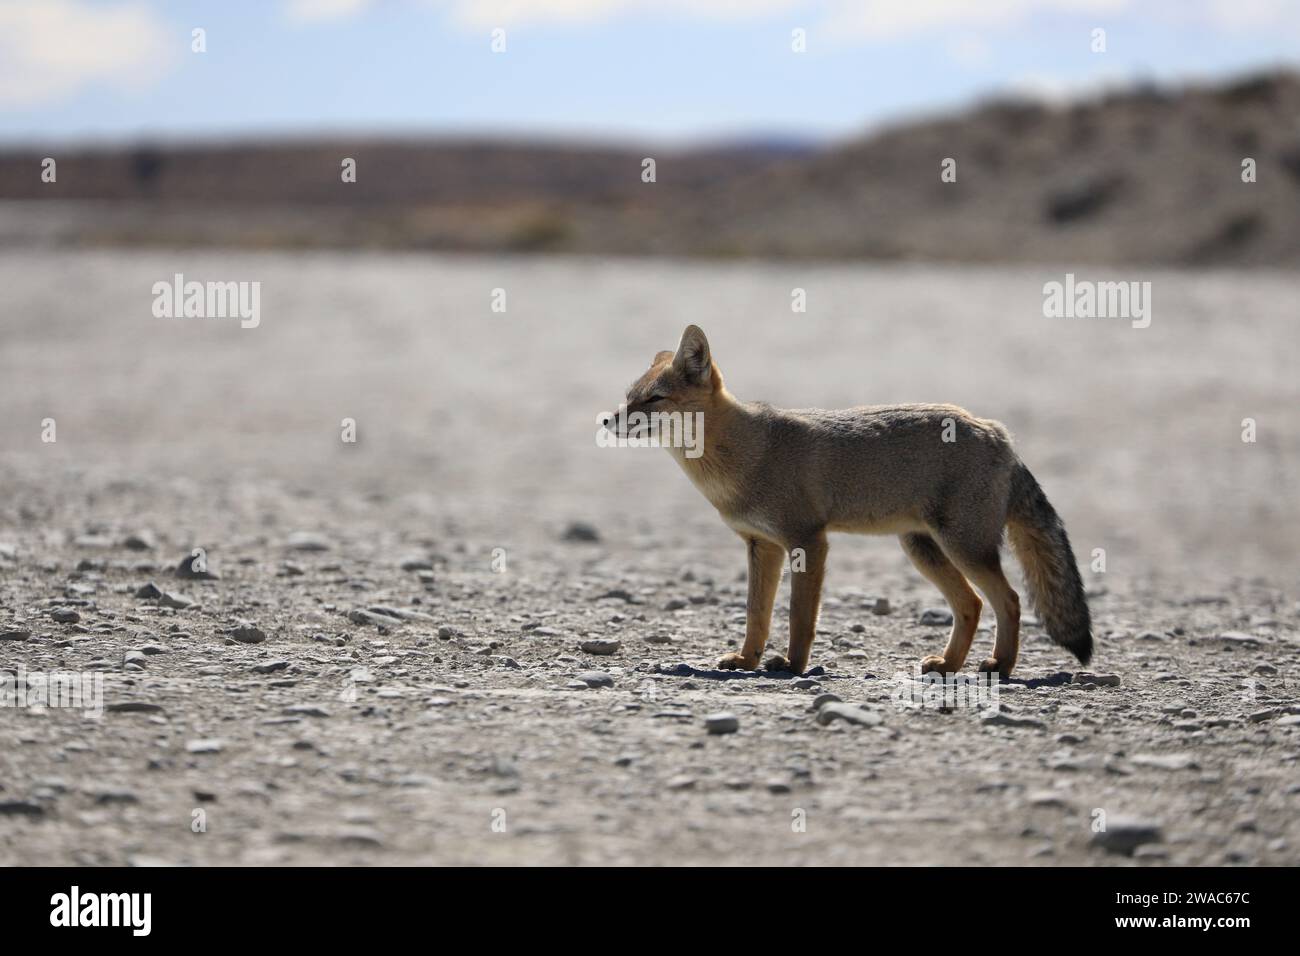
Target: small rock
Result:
[[150, 592], [596, 679], [1124, 835], [307, 541], [881, 607], [305, 710], [600, 647], [936, 616], [1000, 718], [171, 599], [270, 667], [821, 700], [187, 570], [676, 604], [15, 635], [722, 723], [1101, 680], [248, 634], [1047, 798], [1166, 761], [133, 707], [1238, 639], [580, 531], [848, 713], [21, 808], [65, 615], [205, 746], [113, 795], [139, 541]]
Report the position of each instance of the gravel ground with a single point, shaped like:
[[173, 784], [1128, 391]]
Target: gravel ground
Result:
[[413, 652]]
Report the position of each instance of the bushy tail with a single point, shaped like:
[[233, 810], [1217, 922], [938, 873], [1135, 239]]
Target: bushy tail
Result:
[[1043, 549]]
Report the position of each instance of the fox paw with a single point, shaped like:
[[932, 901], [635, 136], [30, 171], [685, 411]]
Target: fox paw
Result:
[[936, 663], [994, 666], [736, 661], [778, 662]]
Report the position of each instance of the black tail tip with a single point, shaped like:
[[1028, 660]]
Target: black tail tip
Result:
[[1083, 649]]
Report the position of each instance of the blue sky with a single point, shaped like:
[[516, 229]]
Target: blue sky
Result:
[[675, 70]]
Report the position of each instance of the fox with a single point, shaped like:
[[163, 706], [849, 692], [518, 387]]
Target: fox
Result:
[[946, 483]]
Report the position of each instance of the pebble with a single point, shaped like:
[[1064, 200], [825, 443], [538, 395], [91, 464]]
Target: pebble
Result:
[[1238, 639], [1000, 718], [248, 634], [15, 635], [935, 616], [580, 531], [1125, 834], [307, 541], [133, 707], [821, 700], [676, 604], [1166, 761], [1101, 680], [1047, 798], [139, 541], [848, 713], [305, 710], [209, 745], [112, 795], [174, 600], [21, 808], [187, 571], [596, 679], [722, 722], [150, 592], [270, 667], [65, 615], [600, 647], [881, 607]]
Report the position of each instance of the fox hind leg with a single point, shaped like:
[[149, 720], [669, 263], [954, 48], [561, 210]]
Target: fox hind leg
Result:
[[965, 604], [983, 567]]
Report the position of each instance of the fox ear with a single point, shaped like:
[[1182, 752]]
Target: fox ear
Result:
[[693, 359]]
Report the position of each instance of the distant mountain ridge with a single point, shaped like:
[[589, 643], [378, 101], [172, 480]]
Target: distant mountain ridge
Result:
[[1143, 176]]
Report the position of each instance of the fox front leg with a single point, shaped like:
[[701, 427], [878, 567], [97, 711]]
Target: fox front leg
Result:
[[765, 560], [805, 601]]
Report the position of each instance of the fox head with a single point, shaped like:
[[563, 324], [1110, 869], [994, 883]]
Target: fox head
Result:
[[685, 382]]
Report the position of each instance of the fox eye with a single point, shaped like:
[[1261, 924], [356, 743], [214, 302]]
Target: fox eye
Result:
[[654, 398]]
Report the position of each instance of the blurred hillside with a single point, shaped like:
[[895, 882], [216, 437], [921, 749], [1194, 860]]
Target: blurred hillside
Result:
[[1147, 176]]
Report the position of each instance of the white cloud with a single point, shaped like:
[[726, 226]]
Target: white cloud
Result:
[[52, 49], [889, 19], [489, 13], [843, 20], [316, 11]]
